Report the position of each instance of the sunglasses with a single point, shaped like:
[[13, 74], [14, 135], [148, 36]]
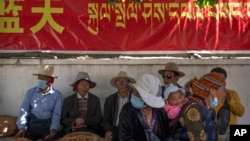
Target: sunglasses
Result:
[[121, 82], [168, 76]]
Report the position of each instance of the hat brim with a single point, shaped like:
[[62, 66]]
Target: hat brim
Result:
[[54, 76], [91, 83], [113, 80], [181, 74], [149, 99]]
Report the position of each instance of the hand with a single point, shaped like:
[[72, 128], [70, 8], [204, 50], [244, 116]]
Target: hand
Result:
[[20, 133], [50, 136], [79, 122], [108, 136]]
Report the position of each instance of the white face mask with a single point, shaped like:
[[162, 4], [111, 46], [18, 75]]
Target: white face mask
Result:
[[214, 102], [42, 84]]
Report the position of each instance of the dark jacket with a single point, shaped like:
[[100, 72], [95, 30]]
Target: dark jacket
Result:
[[130, 128], [70, 112], [199, 123], [110, 111]]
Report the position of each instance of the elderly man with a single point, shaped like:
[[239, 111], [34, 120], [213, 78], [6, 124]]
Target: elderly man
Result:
[[114, 103], [40, 113], [82, 110]]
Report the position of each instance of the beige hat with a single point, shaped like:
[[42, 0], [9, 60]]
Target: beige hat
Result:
[[171, 66], [150, 90], [121, 74], [46, 70], [84, 76]]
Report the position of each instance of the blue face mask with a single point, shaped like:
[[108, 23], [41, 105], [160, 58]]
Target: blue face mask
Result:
[[214, 102], [138, 103], [42, 84]]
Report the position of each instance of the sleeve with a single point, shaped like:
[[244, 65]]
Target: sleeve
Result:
[[65, 118], [125, 126], [56, 117], [235, 104], [193, 124], [24, 111], [107, 121]]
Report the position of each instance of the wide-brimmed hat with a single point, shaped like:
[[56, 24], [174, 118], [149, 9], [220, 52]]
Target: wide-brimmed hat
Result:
[[149, 88], [172, 88], [46, 70], [84, 76], [121, 74], [171, 66]]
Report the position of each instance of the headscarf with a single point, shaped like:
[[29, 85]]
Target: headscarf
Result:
[[202, 86]]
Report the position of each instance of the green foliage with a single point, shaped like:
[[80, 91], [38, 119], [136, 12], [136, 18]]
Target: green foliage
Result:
[[206, 3]]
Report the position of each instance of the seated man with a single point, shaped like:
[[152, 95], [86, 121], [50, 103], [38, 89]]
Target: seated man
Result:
[[40, 114], [114, 103]]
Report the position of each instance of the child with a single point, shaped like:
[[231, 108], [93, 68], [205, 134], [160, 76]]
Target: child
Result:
[[174, 99]]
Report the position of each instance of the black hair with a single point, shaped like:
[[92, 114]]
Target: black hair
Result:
[[220, 70]]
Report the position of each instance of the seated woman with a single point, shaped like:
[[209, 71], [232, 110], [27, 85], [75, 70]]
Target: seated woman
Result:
[[144, 118], [197, 121], [81, 110]]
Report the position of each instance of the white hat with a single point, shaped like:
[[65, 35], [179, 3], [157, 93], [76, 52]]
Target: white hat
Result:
[[149, 88], [170, 89]]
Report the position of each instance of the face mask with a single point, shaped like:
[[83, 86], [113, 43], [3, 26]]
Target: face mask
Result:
[[214, 102], [137, 102], [42, 84]]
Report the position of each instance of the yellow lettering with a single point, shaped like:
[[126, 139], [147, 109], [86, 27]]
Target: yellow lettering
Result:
[[236, 9], [159, 11], [105, 11], [132, 12], [213, 14], [186, 10], [173, 13], [93, 18], [47, 10], [147, 12], [10, 24], [248, 9], [121, 17]]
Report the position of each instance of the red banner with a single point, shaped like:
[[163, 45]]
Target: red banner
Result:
[[96, 25]]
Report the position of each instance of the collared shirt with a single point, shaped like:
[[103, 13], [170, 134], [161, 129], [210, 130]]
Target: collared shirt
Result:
[[80, 96], [43, 106], [121, 102]]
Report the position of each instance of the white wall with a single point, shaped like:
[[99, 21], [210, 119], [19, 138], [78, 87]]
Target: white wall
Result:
[[16, 76]]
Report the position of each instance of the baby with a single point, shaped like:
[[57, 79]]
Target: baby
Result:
[[174, 99]]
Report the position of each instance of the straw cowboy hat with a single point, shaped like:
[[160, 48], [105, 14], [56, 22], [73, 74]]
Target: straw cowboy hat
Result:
[[149, 88], [171, 66], [84, 76], [121, 74], [46, 70]]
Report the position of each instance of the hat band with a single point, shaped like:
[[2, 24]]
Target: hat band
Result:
[[200, 86], [212, 80]]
